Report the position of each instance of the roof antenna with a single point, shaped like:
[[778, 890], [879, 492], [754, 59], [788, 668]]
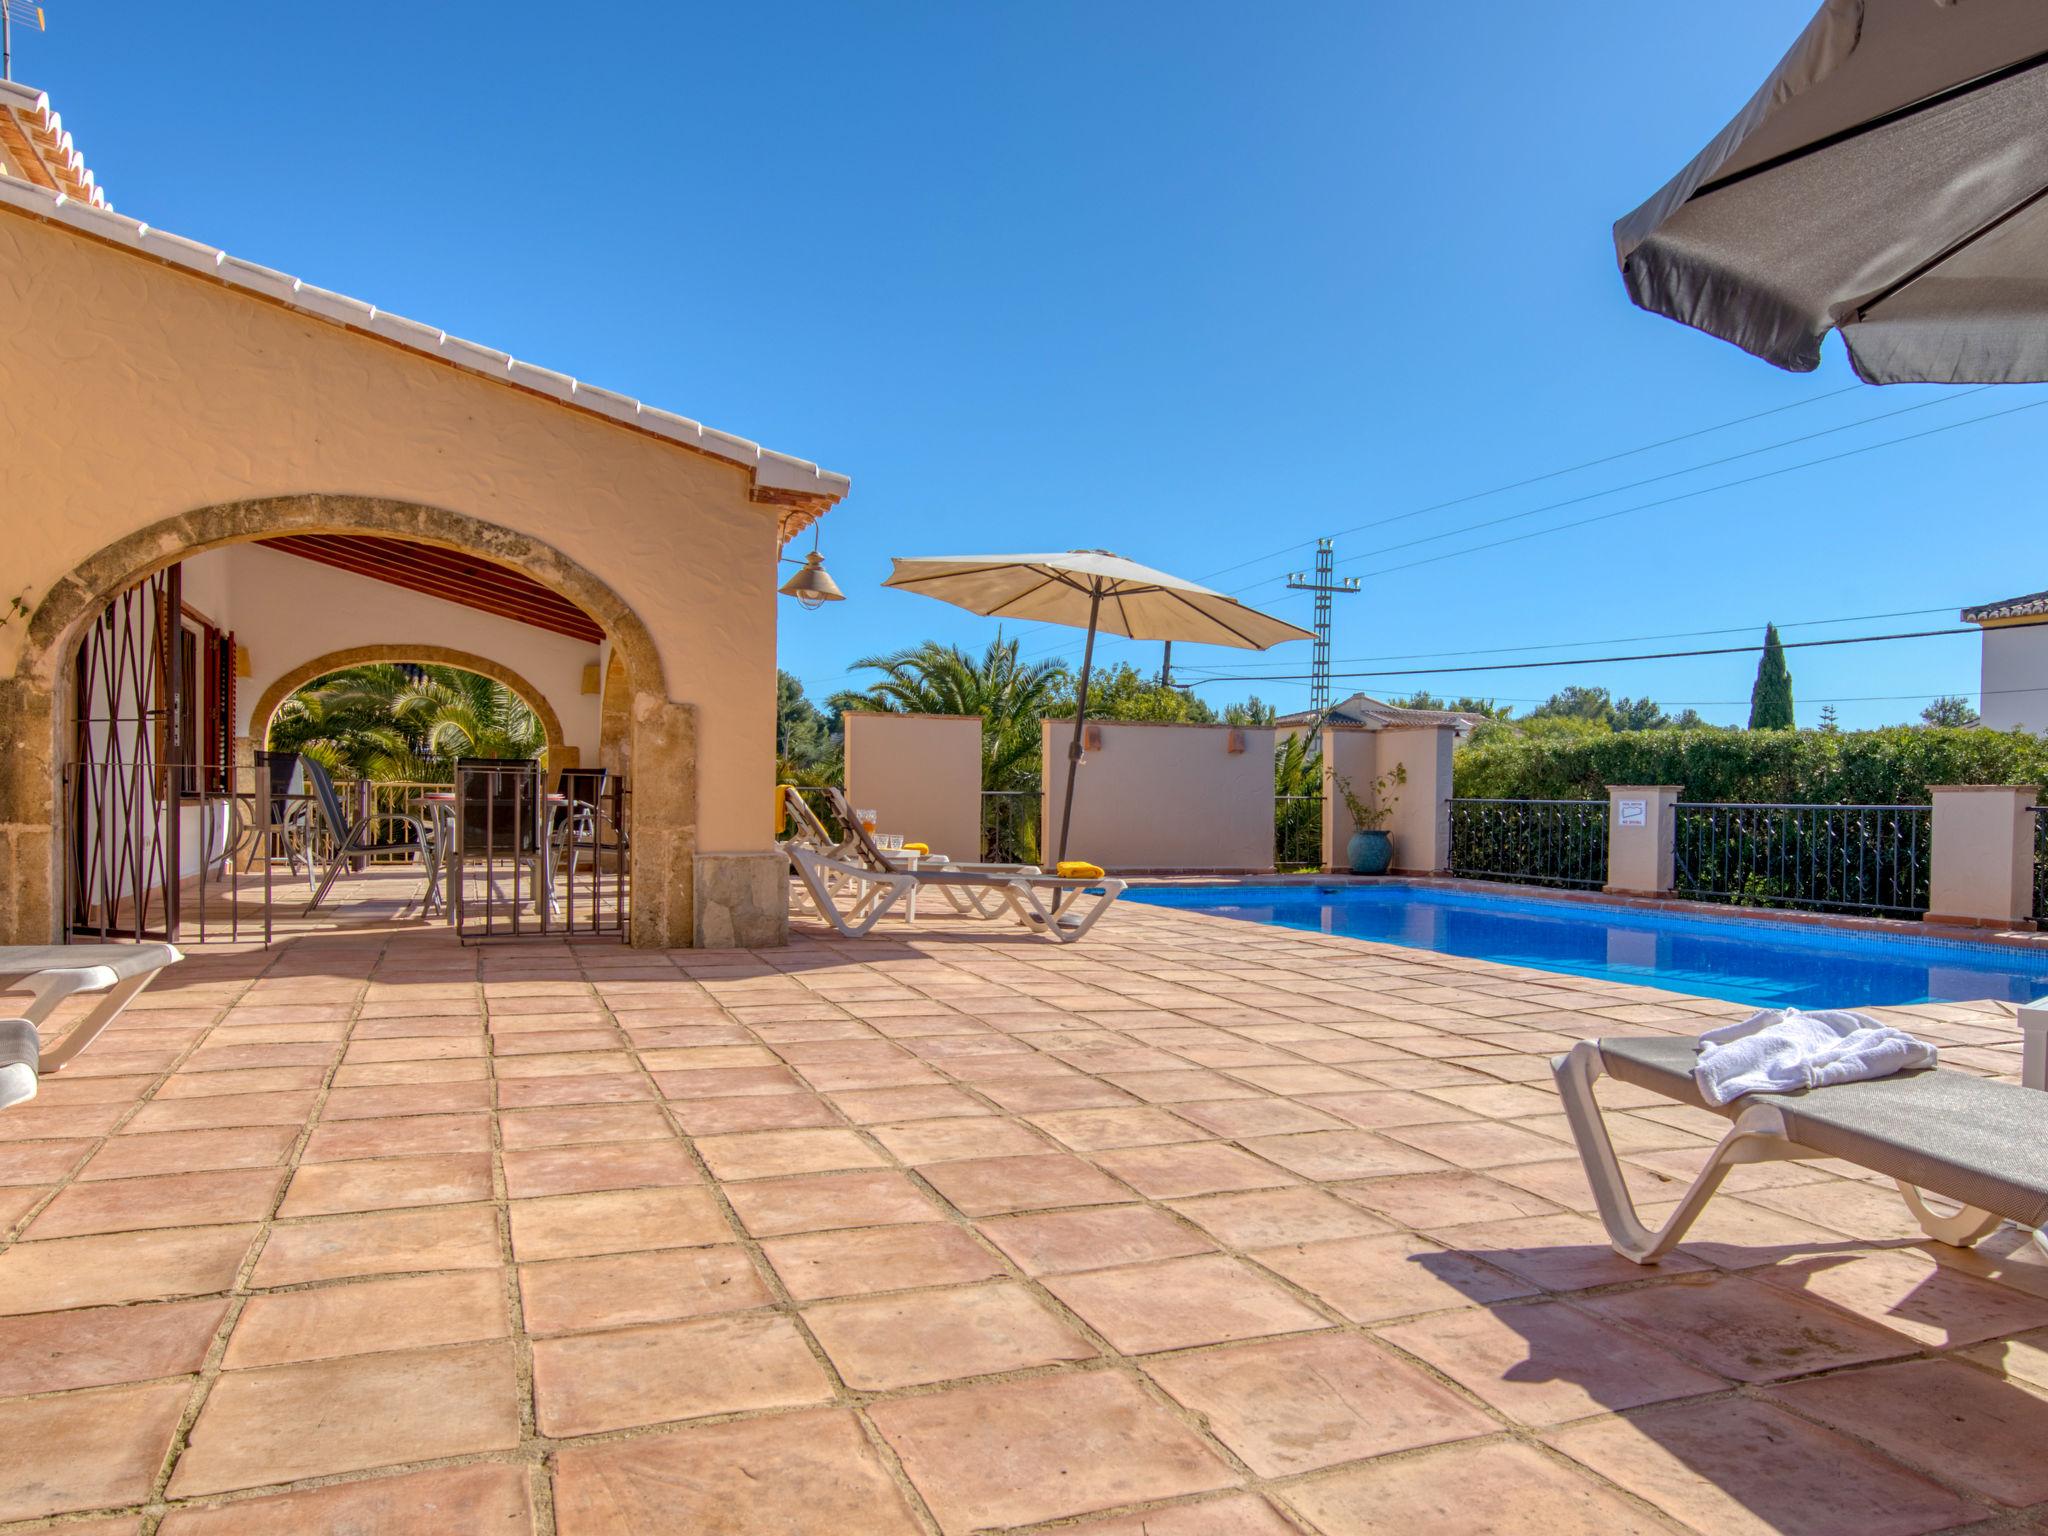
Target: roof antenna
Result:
[[12, 11]]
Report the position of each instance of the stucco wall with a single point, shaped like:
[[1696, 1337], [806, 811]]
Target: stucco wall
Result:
[[286, 611], [1163, 797], [921, 775], [1420, 823], [2015, 678], [136, 392]]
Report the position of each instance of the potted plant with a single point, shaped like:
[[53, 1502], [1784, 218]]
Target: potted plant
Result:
[[1371, 850]]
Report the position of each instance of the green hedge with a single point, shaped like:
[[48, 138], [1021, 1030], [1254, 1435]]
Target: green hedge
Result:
[[1887, 767]]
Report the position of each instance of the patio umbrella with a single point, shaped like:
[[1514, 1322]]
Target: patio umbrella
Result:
[[1095, 590], [1888, 180]]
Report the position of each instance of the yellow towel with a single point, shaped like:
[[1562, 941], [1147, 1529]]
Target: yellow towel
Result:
[[1078, 869], [917, 847], [781, 809]]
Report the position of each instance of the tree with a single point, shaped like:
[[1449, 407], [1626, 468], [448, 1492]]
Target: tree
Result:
[[1950, 709], [804, 750], [1122, 692], [1639, 715], [1770, 700], [1576, 703], [1828, 722], [1253, 711], [394, 721], [1689, 719], [1464, 704], [1010, 696]]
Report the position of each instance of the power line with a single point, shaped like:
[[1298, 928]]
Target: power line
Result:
[[1591, 661]]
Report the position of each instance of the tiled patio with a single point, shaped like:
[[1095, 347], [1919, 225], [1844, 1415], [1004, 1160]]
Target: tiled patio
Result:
[[1195, 1229]]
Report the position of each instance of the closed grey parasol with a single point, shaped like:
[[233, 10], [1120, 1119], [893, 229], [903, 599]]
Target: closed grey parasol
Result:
[[1887, 180], [1094, 590]]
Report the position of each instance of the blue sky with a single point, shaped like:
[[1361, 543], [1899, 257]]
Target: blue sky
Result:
[[1195, 283]]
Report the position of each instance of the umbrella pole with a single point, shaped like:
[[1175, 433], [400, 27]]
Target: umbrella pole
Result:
[[1080, 716]]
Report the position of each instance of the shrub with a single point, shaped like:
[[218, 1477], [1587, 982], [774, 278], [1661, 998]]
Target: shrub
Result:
[[1888, 767]]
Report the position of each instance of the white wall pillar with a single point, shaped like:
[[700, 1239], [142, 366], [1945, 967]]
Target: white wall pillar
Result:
[[1983, 853], [1641, 826], [1421, 823]]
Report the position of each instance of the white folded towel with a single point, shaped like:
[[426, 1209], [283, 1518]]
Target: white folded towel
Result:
[[1779, 1050]]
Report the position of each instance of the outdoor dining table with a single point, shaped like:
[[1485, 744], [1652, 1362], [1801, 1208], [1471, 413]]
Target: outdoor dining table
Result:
[[440, 804]]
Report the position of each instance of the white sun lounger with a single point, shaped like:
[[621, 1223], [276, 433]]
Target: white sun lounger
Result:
[[53, 972], [860, 849], [1067, 916], [1979, 1146]]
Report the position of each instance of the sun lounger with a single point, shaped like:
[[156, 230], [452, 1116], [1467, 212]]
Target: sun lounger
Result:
[[1979, 1145], [857, 847], [1055, 908], [53, 972]]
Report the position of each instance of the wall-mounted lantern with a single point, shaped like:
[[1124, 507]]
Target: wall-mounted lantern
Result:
[[813, 586]]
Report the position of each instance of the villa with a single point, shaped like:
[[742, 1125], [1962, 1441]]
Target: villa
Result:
[[2014, 671]]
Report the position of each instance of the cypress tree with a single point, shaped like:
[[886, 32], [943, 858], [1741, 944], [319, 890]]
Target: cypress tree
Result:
[[1770, 701]]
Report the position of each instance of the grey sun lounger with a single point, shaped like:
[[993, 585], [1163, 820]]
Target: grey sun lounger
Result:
[[53, 972], [1980, 1146]]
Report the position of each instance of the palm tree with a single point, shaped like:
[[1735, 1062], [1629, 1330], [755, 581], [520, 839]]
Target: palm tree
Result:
[[1010, 696], [1297, 796], [396, 722]]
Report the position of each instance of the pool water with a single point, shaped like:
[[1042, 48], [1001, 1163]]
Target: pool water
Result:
[[1763, 963]]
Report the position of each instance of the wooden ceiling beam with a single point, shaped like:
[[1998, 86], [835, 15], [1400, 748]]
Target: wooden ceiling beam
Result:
[[450, 575]]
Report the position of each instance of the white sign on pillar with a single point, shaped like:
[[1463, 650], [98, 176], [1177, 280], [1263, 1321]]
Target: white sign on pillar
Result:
[[1631, 813]]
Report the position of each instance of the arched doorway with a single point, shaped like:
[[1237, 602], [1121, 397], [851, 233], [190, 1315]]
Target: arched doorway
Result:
[[272, 699], [37, 706]]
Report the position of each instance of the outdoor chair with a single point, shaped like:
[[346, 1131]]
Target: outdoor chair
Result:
[[860, 848], [53, 972], [575, 824], [357, 838], [288, 819], [501, 818], [1044, 904], [1980, 1145]]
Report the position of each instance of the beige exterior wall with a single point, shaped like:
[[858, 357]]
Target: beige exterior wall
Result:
[[1163, 797], [137, 393], [1420, 826], [921, 775], [1983, 851], [2015, 677], [1641, 858]]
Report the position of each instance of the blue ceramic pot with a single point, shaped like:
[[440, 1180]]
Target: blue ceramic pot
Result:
[[1371, 853]]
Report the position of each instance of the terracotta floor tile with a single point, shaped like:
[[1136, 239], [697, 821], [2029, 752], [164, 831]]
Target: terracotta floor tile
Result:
[[291, 1421], [1373, 1279], [1265, 1218], [1340, 1155], [1297, 1079], [1559, 1253], [1235, 1514], [105, 1346], [43, 1120], [1865, 1213], [597, 1166], [1965, 1425], [753, 1112], [1477, 1143], [1210, 1299], [160, 1200], [598, 1381], [880, 1105], [328, 1189], [600, 1088], [384, 1074], [770, 1154], [45, 1162], [1038, 1095], [1256, 1117], [380, 1243], [1137, 1125], [1745, 1331], [917, 1142], [1016, 1452], [86, 1450], [821, 1201], [1502, 1489], [1298, 1405], [121, 1267], [664, 1286], [1547, 1362], [1192, 1168], [1449, 1199], [331, 1321], [993, 1186], [727, 1082], [406, 1099], [399, 1136], [1909, 1293], [1733, 1234], [582, 1123], [487, 1500], [202, 1085], [1097, 1237], [2020, 1359], [796, 1474], [880, 1342], [864, 1261], [1562, 1181], [615, 1221], [256, 1146], [1748, 1468]]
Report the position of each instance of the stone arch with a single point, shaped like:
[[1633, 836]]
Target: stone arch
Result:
[[271, 700], [35, 703]]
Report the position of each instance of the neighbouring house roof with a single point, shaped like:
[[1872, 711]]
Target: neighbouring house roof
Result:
[[54, 187], [1363, 709], [35, 148], [2027, 607]]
